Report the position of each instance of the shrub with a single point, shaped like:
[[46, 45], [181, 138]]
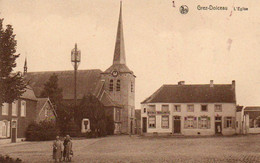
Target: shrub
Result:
[[7, 158], [41, 131]]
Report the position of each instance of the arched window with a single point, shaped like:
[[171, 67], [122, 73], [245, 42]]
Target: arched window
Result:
[[111, 84], [118, 85], [132, 87]]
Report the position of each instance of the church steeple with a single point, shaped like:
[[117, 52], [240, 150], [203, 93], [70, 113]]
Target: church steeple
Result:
[[25, 66], [119, 53]]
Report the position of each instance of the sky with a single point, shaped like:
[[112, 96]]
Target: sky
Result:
[[162, 45]]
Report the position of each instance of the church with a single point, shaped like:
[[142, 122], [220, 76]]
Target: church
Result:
[[114, 87]]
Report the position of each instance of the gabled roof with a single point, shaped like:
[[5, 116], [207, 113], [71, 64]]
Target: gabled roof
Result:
[[219, 93], [87, 81], [41, 104]]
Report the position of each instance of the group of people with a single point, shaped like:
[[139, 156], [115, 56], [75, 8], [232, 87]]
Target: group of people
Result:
[[66, 153]]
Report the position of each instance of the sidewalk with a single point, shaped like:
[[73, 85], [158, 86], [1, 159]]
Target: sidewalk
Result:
[[8, 141]]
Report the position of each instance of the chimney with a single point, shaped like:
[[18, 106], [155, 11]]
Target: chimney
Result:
[[233, 84], [181, 82], [211, 84]]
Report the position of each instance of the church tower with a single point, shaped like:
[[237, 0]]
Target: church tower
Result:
[[120, 82], [25, 67]]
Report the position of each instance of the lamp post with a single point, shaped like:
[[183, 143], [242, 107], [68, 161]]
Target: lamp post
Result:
[[75, 60]]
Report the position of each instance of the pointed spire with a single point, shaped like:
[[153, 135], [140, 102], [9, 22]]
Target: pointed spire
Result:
[[25, 66], [119, 53]]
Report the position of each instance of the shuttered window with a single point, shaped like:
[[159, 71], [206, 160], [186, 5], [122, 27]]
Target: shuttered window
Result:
[[204, 122], [190, 122], [229, 122]]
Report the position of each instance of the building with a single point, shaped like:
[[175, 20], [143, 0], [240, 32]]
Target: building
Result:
[[45, 110], [114, 87], [205, 109], [248, 120], [17, 116]]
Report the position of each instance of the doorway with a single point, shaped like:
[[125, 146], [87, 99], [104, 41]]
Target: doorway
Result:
[[144, 124], [176, 124], [218, 125]]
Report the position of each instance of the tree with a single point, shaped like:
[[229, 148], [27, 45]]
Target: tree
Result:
[[12, 85], [52, 90], [91, 108]]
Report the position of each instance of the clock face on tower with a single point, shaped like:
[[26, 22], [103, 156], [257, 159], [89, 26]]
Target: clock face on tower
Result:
[[115, 73]]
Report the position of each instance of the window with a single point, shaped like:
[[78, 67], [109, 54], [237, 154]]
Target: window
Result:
[[190, 122], [218, 108], [46, 112], [111, 85], [204, 107], [151, 108], [132, 87], [144, 110], [118, 85], [177, 108], [229, 122], [5, 109], [190, 108], [152, 122], [204, 122], [165, 108], [23, 108], [165, 121], [15, 108]]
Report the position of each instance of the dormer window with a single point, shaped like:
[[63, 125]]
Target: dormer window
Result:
[[111, 84], [118, 85]]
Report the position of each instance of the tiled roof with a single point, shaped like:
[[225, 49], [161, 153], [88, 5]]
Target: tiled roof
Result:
[[29, 94], [86, 81], [223, 93]]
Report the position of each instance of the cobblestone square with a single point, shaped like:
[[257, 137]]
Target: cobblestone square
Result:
[[146, 149]]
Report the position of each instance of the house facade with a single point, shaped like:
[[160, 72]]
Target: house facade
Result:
[[190, 110], [16, 116]]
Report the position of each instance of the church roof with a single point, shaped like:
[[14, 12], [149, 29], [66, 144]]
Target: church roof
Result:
[[29, 94], [118, 67], [87, 81], [219, 93]]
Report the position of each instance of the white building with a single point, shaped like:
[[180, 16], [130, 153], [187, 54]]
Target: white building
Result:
[[204, 109], [248, 120]]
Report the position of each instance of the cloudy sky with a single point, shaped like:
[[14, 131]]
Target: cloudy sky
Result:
[[162, 45]]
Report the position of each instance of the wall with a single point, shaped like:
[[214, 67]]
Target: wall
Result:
[[228, 109]]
